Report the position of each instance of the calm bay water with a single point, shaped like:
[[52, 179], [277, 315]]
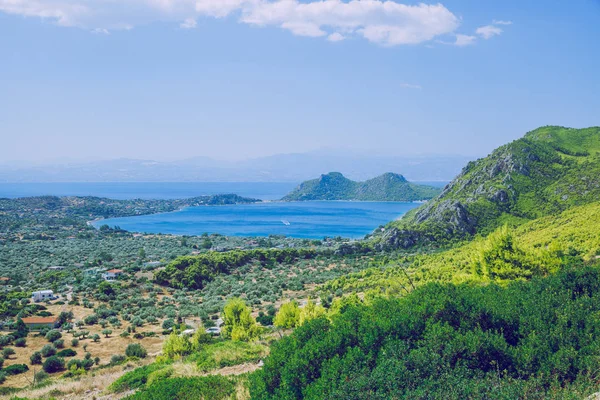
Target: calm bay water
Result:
[[313, 220]]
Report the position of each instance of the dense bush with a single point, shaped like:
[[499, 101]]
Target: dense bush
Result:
[[195, 272], [208, 387], [7, 352], [21, 342], [48, 350], [134, 379], [16, 369], [53, 364], [35, 358], [67, 353], [445, 341], [53, 335], [136, 350]]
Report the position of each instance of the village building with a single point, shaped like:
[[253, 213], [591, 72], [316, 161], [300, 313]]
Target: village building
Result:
[[112, 274], [42, 295], [39, 323]]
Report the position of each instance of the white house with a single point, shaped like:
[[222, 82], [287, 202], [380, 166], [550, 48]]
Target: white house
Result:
[[42, 295], [112, 274]]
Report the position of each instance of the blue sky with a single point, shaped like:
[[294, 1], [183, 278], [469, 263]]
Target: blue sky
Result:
[[233, 79]]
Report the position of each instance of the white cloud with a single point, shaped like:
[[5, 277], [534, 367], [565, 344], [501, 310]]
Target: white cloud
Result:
[[384, 22], [411, 86], [101, 31], [500, 22], [488, 31], [336, 37], [464, 40], [188, 23]]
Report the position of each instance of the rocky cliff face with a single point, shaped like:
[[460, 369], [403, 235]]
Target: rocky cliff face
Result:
[[546, 171]]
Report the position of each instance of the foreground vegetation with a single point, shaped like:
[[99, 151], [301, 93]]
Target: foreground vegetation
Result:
[[538, 339]]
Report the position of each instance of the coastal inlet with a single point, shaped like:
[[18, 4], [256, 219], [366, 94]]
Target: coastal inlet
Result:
[[310, 220]]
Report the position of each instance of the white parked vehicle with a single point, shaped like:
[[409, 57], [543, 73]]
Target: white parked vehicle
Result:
[[214, 331]]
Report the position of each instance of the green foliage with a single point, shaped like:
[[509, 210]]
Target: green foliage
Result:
[[195, 272], [288, 315], [227, 353], [208, 387], [159, 375], [53, 364], [15, 369], [66, 353], [48, 350], [21, 329], [446, 341], [21, 342], [309, 312], [7, 352], [35, 358], [134, 379], [53, 335], [238, 323], [177, 346], [136, 350]]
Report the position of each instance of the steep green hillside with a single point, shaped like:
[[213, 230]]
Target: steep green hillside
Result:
[[387, 187], [547, 171], [534, 248]]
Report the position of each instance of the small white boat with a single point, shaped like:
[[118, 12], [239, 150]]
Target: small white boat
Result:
[[285, 222]]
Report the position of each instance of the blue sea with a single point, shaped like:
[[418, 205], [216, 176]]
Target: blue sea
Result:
[[298, 219], [312, 220]]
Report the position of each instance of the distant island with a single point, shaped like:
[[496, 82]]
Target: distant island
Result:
[[386, 187]]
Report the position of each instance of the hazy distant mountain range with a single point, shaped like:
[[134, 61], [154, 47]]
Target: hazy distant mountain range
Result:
[[276, 168]]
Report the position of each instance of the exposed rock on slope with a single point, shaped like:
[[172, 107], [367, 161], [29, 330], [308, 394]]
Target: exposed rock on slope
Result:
[[547, 171]]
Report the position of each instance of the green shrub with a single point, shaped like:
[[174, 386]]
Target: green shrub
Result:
[[48, 350], [7, 352], [21, 342], [53, 364], [35, 358], [117, 359], [53, 335], [67, 353], [228, 353], [15, 369], [136, 350], [159, 375], [208, 387], [40, 376], [134, 379]]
